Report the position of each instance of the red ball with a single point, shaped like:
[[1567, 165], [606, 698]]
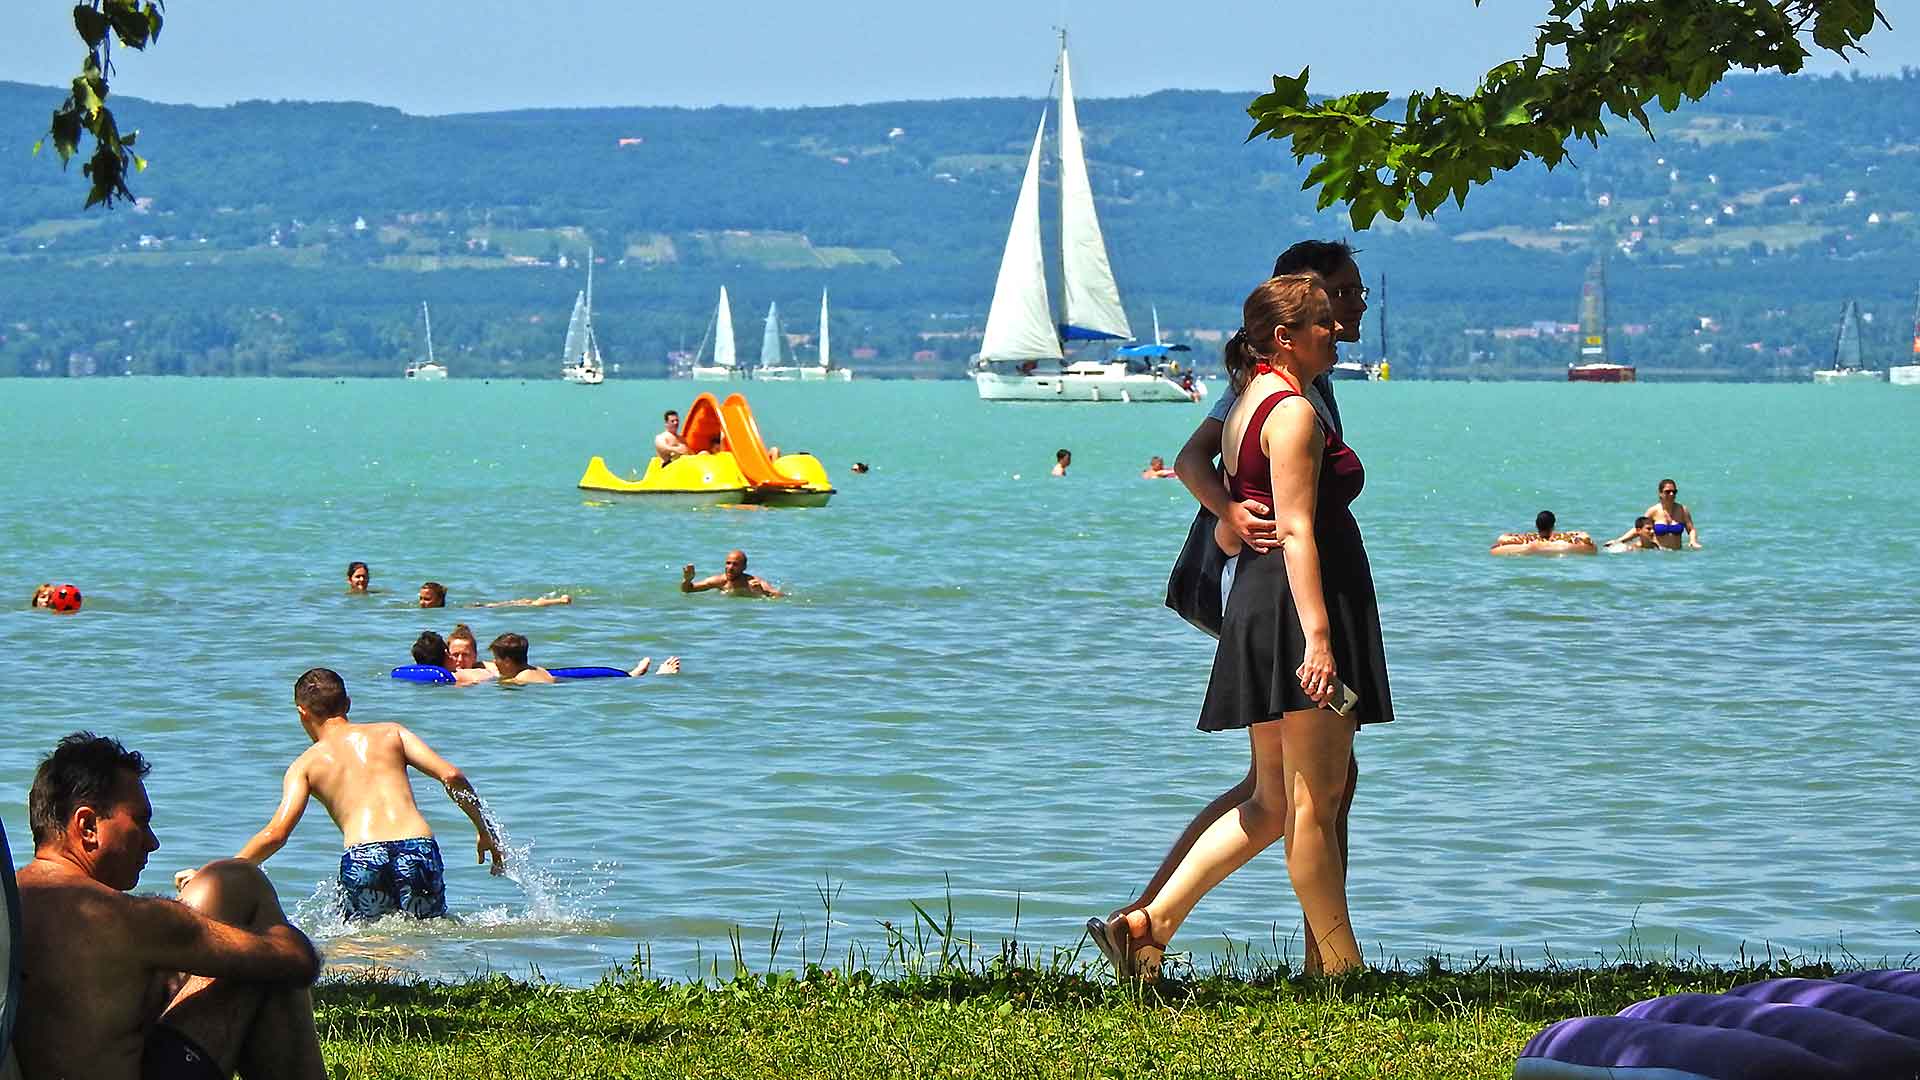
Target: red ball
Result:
[[66, 598]]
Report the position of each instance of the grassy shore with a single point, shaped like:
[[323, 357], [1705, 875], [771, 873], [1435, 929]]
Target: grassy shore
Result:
[[1004, 1017]]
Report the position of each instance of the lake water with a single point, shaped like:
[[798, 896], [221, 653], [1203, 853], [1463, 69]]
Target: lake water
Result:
[[973, 685]]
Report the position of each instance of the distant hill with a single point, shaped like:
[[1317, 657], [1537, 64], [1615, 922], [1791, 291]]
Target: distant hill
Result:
[[299, 238]]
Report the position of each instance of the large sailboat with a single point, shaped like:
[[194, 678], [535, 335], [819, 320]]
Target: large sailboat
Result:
[[1593, 364], [580, 361], [1846, 353], [1021, 353], [726, 363], [1909, 374], [427, 370]]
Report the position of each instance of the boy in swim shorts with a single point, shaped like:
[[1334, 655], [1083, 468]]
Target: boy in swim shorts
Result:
[[359, 773]]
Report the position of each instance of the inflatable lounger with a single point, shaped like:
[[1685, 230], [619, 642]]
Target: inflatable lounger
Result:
[[1860, 1026], [430, 673], [9, 958]]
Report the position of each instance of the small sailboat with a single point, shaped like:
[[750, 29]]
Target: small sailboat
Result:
[[1846, 353], [427, 370], [580, 362], [824, 370], [1021, 352], [1593, 364], [726, 364], [1909, 374]]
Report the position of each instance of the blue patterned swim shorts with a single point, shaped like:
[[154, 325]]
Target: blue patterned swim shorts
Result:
[[394, 875]]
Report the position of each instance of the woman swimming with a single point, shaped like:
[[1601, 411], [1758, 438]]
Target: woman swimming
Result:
[[1671, 519]]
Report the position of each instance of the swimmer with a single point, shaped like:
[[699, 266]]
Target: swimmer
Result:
[[1061, 459], [860, 466], [1638, 538], [42, 596], [1671, 519], [359, 773], [433, 594], [463, 652], [734, 582], [357, 575], [510, 659], [431, 650], [1157, 469], [1544, 540], [668, 445]]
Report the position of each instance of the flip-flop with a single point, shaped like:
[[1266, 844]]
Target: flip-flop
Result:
[[1118, 954]]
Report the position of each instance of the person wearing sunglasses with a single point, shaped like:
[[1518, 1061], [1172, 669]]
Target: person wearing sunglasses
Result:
[[1672, 520]]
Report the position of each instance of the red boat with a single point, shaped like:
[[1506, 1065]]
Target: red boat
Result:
[[1600, 373]]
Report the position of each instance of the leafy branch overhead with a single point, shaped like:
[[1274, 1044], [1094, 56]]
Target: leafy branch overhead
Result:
[[1621, 57], [133, 23]]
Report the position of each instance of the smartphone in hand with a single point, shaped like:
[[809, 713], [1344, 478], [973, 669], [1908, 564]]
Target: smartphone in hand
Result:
[[1343, 699]]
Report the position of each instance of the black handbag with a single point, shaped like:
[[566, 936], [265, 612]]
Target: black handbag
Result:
[[1193, 589]]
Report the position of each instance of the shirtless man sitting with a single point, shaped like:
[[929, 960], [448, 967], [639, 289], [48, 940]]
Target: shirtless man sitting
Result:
[[115, 987], [734, 582], [359, 773], [667, 444], [510, 661], [1543, 540]]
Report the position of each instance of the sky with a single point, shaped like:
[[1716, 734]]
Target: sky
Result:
[[486, 55]]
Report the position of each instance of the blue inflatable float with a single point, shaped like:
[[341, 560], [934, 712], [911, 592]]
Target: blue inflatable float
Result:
[[1860, 1026], [433, 673]]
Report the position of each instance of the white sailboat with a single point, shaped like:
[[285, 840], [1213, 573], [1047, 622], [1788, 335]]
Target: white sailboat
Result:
[[726, 364], [427, 370], [825, 371], [1846, 353], [1909, 374], [580, 361], [1021, 356]]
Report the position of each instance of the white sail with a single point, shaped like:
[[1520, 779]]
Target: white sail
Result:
[[576, 346], [1020, 322], [723, 354], [1092, 303], [770, 338], [1846, 345], [825, 362]]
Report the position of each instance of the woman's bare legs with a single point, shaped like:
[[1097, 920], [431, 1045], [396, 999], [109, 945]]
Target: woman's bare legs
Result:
[[1317, 746]]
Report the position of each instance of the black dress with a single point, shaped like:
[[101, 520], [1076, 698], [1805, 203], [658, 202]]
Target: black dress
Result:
[[1261, 643]]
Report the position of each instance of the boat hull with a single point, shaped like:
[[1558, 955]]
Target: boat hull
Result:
[[1054, 386], [713, 479], [1602, 373], [1350, 371], [427, 373], [583, 376], [718, 374], [1904, 375], [1848, 377]]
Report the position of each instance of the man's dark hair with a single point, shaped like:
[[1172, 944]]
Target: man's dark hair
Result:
[[509, 647], [670, 414], [322, 692], [1642, 522], [83, 770], [1543, 522], [437, 591], [430, 648], [1323, 257], [1062, 454]]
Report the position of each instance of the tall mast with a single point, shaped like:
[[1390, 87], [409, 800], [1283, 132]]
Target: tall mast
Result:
[[427, 317], [1383, 315]]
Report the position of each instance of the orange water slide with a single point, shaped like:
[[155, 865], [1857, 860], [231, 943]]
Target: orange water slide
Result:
[[742, 436]]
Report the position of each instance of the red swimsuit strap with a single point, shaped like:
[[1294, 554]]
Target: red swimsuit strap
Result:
[[1264, 368]]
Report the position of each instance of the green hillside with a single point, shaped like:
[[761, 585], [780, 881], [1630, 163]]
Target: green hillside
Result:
[[297, 238]]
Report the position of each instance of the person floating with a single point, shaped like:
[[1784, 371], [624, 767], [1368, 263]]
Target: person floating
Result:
[[1544, 540], [42, 595], [1671, 519], [357, 576], [668, 445], [860, 467], [433, 594], [1157, 469], [61, 599], [1062, 458], [510, 663], [359, 773], [114, 985], [734, 582]]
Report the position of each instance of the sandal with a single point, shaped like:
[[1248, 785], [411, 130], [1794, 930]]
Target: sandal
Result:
[[1123, 951]]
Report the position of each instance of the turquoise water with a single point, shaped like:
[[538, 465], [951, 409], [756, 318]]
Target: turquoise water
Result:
[[973, 681]]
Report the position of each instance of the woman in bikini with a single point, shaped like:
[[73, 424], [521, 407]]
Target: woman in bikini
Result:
[[1671, 519], [1300, 620]]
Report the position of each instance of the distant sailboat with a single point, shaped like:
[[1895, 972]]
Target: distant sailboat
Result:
[[427, 370], [726, 365], [825, 371], [580, 360], [1846, 352], [778, 367], [1593, 364], [1909, 374], [1021, 356]]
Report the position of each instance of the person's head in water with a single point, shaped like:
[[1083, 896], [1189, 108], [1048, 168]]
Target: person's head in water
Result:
[[511, 648], [1668, 492], [860, 466], [1156, 463], [1063, 457], [87, 799], [433, 594], [357, 575], [1543, 523], [42, 595], [430, 648], [736, 564], [320, 694], [1282, 313], [1643, 523], [463, 650], [1332, 260]]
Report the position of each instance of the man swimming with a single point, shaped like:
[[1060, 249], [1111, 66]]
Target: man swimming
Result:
[[734, 582], [433, 594], [1062, 461], [1543, 540], [1671, 519], [359, 773], [1638, 538], [668, 445], [1157, 469], [510, 660], [115, 987]]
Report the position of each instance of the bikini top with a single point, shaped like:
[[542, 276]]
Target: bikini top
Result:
[[1668, 528], [1341, 474]]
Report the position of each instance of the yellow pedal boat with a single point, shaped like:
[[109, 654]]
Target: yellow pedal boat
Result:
[[736, 469]]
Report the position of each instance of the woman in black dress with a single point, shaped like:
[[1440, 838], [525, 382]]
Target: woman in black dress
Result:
[[1301, 624]]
